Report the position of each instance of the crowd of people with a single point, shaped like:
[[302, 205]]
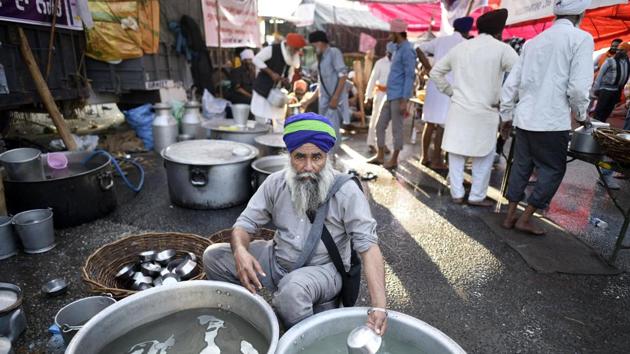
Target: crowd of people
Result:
[[480, 88]]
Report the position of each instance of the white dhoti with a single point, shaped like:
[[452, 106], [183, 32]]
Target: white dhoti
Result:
[[377, 106], [436, 105]]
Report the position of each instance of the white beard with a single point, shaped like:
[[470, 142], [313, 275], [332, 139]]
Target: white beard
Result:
[[308, 193]]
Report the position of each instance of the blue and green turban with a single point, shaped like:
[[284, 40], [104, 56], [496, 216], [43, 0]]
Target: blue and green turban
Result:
[[307, 128]]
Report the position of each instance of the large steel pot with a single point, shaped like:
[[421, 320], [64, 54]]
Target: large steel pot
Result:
[[271, 144], [153, 304], [12, 319], [418, 334], [80, 193], [227, 129], [267, 165], [209, 174]]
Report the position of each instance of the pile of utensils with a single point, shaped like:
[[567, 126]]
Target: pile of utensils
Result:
[[155, 268]]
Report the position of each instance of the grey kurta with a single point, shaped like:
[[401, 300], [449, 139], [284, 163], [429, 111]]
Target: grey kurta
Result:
[[297, 293], [331, 68]]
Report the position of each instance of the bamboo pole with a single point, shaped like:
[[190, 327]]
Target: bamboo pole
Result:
[[51, 41], [220, 49], [44, 92], [359, 83]]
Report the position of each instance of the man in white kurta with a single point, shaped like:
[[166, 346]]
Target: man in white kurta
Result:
[[478, 66], [436, 103], [264, 111], [376, 90]]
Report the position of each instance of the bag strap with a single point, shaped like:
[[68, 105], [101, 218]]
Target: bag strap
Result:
[[317, 226], [319, 70]]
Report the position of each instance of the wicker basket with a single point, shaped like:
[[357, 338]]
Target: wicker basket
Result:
[[101, 267], [614, 146], [225, 235]]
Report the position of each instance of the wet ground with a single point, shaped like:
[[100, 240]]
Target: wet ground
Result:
[[444, 265]]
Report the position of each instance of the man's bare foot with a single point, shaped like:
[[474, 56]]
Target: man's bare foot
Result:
[[439, 166], [527, 227], [375, 161], [509, 222], [372, 149], [425, 162], [458, 201], [390, 165]]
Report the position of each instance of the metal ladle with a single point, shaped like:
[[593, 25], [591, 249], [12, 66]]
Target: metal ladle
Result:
[[363, 340]]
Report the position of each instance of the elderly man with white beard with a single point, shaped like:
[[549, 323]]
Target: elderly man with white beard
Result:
[[323, 221]]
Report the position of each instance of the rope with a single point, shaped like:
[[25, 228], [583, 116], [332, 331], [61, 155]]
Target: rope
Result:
[[120, 171]]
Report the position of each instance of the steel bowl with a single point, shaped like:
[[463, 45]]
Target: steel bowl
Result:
[[157, 281], [191, 256], [164, 257], [142, 283], [55, 287], [175, 263], [186, 269], [170, 279], [150, 270], [147, 256], [624, 136], [126, 273]]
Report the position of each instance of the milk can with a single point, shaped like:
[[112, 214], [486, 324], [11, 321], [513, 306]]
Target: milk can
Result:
[[191, 121], [165, 129]]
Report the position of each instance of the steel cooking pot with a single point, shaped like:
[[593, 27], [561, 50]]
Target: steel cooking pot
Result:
[[209, 174], [12, 319], [225, 129], [271, 144], [265, 166], [583, 141]]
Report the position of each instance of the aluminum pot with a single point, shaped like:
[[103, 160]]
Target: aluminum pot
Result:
[[267, 165], [8, 242], [23, 164], [209, 174], [12, 319], [72, 317], [35, 229], [226, 129], [153, 304], [80, 193], [271, 144], [583, 141], [418, 334]]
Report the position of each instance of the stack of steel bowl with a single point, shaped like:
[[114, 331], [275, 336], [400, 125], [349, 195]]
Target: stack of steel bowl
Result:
[[155, 268]]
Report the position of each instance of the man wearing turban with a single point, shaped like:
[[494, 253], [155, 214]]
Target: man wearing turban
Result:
[[275, 64], [550, 82], [436, 103], [478, 67], [296, 267]]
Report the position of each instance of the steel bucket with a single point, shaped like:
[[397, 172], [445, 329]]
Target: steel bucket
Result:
[[265, 166], [8, 242], [23, 164], [71, 318], [152, 304], [420, 336], [240, 112], [35, 229]]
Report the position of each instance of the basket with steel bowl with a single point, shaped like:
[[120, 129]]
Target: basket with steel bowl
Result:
[[615, 143], [102, 266]]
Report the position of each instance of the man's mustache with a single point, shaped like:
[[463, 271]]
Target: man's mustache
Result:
[[308, 175]]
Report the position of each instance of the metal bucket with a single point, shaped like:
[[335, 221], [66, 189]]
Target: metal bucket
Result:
[[23, 164], [8, 242], [73, 316], [420, 336], [240, 112], [35, 229], [152, 304], [12, 319]]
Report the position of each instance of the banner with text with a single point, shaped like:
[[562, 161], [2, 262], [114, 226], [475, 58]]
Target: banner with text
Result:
[[39, 12], [528, 10], [238, 21]]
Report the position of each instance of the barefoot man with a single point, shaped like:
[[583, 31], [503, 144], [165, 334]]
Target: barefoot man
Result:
[[550, 81]]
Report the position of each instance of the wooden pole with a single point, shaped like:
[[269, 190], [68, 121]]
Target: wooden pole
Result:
[[44, 92], [359, 83], [220, 49], [51, 41]]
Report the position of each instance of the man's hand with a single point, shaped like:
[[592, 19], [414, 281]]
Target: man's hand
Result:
[[403, 107], [377, 321], [334, 102], [275, 76], [247, 268], [506, 129], [586, 123]]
